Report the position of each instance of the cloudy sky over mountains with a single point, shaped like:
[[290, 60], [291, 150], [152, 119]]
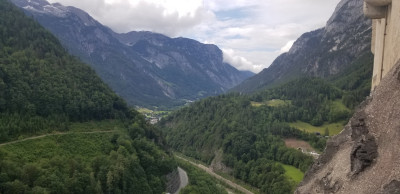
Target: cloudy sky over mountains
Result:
[[252, 33]]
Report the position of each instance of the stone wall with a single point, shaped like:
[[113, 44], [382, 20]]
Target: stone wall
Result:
[[385, 35]]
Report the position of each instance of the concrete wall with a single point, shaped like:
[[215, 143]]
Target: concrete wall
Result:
[[385, 35]]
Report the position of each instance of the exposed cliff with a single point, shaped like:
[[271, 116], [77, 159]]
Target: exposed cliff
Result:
[[323, 52], [365, 157]]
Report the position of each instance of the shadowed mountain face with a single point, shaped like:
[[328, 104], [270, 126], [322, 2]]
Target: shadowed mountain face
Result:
[[323, 52], [144, 68]]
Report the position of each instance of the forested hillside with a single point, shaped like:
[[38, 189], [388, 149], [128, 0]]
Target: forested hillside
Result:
[[90, 141], [250, 129], [42, 88]]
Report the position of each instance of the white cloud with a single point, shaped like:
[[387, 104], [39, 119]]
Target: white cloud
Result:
[[170, 17], [252, 32], [287, 46], [238, 62]]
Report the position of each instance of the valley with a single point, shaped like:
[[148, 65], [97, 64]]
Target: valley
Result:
[[85, 109], [146, 69]]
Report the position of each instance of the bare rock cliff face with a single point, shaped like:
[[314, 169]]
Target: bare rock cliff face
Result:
[[365, 157], [321, 53]]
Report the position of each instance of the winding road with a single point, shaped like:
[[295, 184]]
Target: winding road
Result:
[[209, 171], [183, 179], [182, 174]]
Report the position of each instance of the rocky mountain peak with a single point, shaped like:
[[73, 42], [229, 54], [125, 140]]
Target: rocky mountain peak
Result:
[[346, 12], [323, 52]]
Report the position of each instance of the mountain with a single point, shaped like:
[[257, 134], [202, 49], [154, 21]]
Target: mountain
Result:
[[322, 53], [62, 130], [40, 81], [146, 69]]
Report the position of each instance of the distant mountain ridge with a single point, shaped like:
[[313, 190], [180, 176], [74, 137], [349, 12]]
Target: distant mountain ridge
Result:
[[145, 68], [321, 53]]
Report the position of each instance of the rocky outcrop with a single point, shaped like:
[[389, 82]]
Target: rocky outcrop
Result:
[[146, 69], [321, 53], [365, 157]]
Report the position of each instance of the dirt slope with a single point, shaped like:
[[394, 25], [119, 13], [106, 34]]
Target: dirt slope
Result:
[[365, 157]]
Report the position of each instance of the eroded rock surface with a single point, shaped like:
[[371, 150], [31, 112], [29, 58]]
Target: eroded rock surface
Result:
[[365, 157]]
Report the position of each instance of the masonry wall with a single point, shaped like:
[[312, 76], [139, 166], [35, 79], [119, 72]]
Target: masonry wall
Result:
[[386, 35]]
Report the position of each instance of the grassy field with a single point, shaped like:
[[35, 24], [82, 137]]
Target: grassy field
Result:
[[272, 103], [144, 110], [334, 128], [152, 113], [295, 174], [296, 143], [337, 105]]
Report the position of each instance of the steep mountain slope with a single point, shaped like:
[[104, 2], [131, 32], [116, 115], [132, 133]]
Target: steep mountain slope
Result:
[[364, 158], [323, 52], [44, 90], [39, 80], [144, 68]]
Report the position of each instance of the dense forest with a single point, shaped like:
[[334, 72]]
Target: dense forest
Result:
[[200, 181], [43, 90], [123, 161], [250, 129]]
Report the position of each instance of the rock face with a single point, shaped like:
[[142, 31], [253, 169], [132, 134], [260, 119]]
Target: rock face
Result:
[[365, 157], [144, 68], [323, 52]]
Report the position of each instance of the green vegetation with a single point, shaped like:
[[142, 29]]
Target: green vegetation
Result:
[[250, 130], [278, 102], [111, 162], [252, 137], [153, 113], [355, 81], [272, 103], [199, 181], [42, 88], [103, 125], [224, 175], [334, 128], [295, 174], [95, 144]]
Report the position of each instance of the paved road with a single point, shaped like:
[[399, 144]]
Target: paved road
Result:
[[209, 171], [52, 134], [183, 178]]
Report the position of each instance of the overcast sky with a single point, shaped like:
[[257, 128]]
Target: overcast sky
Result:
[[251, 33]]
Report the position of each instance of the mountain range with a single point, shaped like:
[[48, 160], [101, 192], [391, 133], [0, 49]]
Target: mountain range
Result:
[[324, 52], [145, 68]]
